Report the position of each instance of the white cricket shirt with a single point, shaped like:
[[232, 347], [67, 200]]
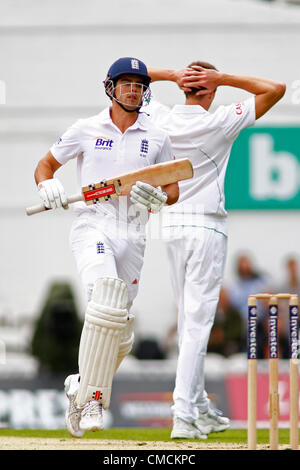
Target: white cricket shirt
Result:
[[103, 151], [206, 138]]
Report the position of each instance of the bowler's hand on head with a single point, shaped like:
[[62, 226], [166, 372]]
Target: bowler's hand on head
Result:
[[207, 80]]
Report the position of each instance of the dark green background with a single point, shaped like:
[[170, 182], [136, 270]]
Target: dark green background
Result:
[[237, 182]]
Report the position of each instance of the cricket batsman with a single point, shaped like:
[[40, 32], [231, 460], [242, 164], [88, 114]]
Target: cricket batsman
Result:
[[107, 239]]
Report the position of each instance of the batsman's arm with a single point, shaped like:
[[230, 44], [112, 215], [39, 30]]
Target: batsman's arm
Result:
[[50, 189], [172, 191], [46, 168]]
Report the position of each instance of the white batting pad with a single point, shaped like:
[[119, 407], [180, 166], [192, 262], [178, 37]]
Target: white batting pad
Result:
[[105, 321], [127, 340]]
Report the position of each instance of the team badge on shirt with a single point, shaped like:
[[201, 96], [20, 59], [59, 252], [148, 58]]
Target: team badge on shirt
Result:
[[100, 248], [103, 143], [144, 148]]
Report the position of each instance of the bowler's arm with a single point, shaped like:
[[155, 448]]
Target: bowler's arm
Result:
[[267, 92], [171, 75]]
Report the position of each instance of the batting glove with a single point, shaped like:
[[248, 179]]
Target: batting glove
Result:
[[52, 193], [146, 196]]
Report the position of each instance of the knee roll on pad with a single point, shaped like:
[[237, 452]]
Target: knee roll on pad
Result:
[[105, 321]]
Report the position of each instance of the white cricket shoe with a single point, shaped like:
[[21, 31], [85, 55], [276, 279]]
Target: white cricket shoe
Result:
[[73, 414], [91, 416], [183, 430], [212, 421]]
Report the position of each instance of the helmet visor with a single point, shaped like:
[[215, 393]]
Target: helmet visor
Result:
[[131, 94]]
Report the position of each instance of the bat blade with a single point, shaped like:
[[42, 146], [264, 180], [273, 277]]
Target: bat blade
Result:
[[159, 174]]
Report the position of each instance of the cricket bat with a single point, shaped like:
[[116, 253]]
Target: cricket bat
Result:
[[159, 174]]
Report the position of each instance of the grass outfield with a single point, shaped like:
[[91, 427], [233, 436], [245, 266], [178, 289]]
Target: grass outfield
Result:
[[234, 436]]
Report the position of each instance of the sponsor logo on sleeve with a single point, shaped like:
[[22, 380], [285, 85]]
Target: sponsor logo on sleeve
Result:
[[238, 109]]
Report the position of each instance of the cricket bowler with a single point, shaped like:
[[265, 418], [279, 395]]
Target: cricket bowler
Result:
[[196, 226]]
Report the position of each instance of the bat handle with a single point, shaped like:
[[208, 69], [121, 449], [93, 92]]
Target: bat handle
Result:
[[41, 208]]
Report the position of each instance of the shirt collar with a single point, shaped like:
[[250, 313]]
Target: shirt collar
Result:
[[140, 123], [105, 116]]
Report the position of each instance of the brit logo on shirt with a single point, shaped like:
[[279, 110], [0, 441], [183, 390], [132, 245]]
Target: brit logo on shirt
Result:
[[102, 143], [144, 148]]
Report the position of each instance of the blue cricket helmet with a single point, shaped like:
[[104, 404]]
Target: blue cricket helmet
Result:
[[128, 66]]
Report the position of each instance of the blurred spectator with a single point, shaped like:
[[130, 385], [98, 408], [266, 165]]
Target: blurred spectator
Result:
[[249, 281], [227, 333], [148, 348], [292, 282], [57, 331], [291, 285]]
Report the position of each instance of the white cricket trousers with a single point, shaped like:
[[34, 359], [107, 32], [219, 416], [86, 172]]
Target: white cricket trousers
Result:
[[196, 265], [102, 248]]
